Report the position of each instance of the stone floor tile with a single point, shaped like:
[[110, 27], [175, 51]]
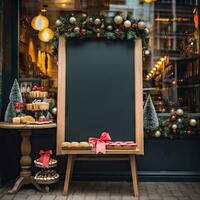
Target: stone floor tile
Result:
[[20, 196], [48, 197], [34, 197], [7, 197], [61, 197]]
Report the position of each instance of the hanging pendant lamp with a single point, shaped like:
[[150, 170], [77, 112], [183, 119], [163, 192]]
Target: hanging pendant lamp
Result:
[[40, 22]]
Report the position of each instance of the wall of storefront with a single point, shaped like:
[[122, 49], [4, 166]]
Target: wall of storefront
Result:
[[164, 159]]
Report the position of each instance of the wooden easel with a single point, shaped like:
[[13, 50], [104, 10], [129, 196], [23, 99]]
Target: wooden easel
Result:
[[138, 116], [73, 157]]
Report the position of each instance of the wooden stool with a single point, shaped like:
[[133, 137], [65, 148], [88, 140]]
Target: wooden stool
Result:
[[73, 157]]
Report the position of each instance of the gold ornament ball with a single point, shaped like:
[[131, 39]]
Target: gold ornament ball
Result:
[[172, 111], [179, 112], [127, 24], [54, 111], [141, 25], [84, 15], [118, 19], [157, 134], [72, 20], [58, 22], [90, 19], [98, 34], [97, 21], [193, 122], [77, 29]]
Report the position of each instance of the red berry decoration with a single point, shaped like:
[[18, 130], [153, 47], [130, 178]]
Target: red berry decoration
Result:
[[83, 31], [173, 118]]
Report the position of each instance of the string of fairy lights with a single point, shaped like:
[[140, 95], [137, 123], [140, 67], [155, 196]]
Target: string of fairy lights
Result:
[[157, 68]]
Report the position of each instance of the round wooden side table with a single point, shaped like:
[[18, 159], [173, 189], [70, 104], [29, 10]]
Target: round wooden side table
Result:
[[25, 176]]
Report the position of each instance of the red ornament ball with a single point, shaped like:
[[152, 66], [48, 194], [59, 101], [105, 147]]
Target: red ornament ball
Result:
[[83, 31], [174, 131], [173, 118]]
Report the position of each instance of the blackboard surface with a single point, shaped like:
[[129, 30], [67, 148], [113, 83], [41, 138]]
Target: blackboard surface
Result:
[[100, 89]]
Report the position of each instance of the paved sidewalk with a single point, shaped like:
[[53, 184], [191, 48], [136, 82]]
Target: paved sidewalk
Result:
[[111, 191]]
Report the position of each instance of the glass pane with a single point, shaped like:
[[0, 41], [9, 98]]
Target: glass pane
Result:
[[171, 71]]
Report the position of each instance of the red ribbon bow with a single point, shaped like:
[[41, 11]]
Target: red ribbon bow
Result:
[[19, 105], [45, 157], [100, 142], [37, 88]]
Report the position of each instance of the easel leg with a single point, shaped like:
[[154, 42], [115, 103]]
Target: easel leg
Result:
[[67, 175], [134, 175], [72, 168]]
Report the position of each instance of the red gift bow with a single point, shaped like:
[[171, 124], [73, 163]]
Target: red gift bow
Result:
[[19, 105], [37, 88], [45, 157], [100, 142]]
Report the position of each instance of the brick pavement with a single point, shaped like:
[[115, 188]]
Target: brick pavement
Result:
[[111, 191]]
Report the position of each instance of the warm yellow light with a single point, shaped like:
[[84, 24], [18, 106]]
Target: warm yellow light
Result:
[[162, 59], [154, 69], [40, 22], [159, 62], [148, 77], [157, 66], [46, 35], [149, 1]]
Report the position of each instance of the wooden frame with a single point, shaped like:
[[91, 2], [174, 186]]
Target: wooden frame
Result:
[[62, 93]]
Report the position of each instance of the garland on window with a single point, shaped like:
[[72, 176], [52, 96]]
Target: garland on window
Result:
[[177, 125], [84, 26]]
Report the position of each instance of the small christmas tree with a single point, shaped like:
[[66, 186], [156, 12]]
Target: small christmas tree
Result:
[[150, 116], [14, 97]]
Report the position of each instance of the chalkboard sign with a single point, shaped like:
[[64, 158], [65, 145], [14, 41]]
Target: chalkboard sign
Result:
[[100, 92], [99, 89]]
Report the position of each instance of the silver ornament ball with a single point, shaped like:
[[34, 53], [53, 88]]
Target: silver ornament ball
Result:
[[127, 24], [157, 134], [174, 126], [58, 22], [97, 21], [118, 19], [72, 20], [193, 122], [141, 25], [147, 52], [179, 120], [109, 27], [179, 112], [54, 110]]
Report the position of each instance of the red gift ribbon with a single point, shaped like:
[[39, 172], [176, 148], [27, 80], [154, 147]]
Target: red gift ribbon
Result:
[[45, 157], [100, 142], [37, 88]]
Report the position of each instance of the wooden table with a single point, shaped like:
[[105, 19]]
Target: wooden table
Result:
[[25, 176]]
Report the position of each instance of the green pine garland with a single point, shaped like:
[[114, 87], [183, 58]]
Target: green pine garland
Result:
[[183, 127], [83, 26]]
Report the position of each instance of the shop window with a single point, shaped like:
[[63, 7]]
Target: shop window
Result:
[[173, 40]]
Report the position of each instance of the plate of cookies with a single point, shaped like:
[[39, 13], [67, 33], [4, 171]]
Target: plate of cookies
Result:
[[76, 145]]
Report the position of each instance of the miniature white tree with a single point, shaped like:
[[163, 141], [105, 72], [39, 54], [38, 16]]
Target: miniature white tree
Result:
[[150, 116], [14, 97]]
